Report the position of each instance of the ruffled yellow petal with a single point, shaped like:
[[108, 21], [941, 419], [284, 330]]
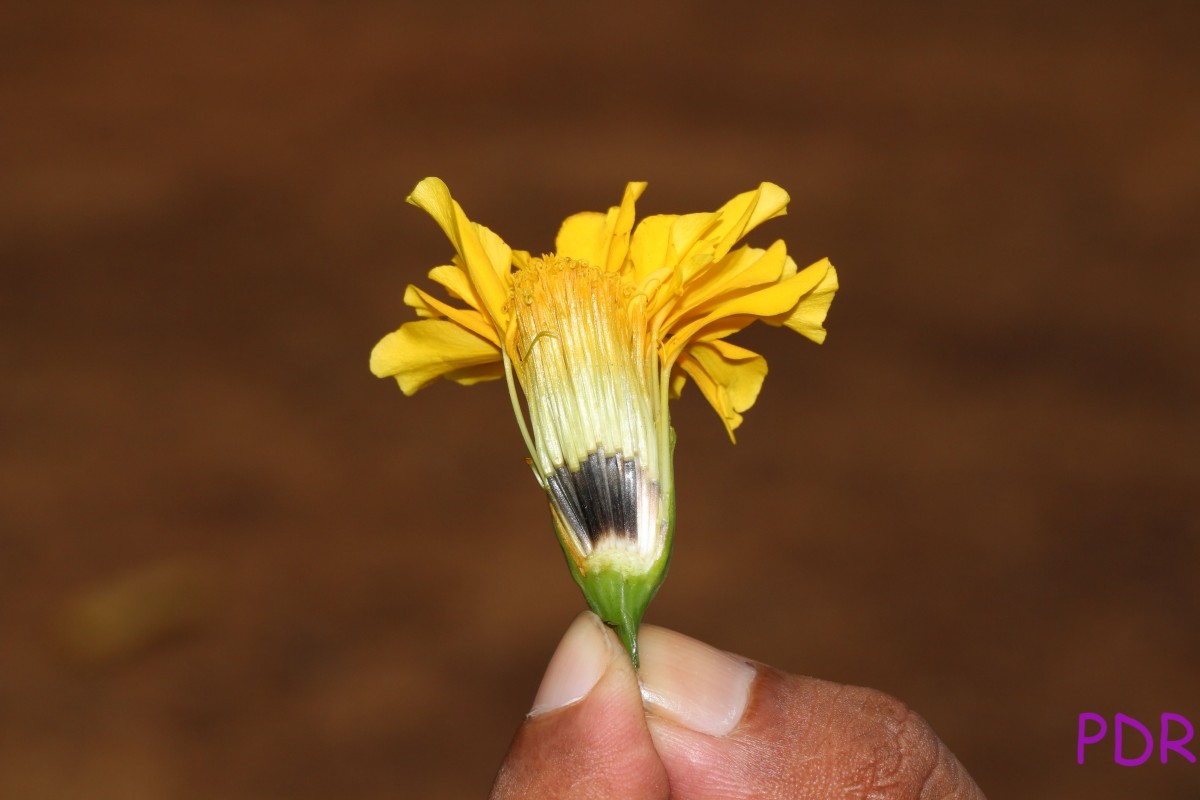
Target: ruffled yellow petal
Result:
[[520, 258], [422, 351], [622, 225], [744, 268], [457, 284], [728, 376], [679, 380], [746, 212], [808, 318], [581, 237], [729, 224], [648, 248], [429, 306], [739, 309], [488, 260], [692, 245], [655, 252], [601, 240], [469, 376], [687, 249]]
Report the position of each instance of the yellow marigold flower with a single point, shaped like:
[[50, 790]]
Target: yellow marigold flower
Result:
[[598, 335]]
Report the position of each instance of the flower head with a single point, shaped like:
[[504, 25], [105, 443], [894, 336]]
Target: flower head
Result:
[[598, 335]]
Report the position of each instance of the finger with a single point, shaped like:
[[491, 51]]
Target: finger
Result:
[[728, 728], [586, 736]]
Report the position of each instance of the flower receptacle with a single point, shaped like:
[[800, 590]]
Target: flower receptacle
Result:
[[619, 590], [620, 599]]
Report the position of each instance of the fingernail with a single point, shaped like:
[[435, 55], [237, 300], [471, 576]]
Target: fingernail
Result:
[[576, 666], [690, 683]]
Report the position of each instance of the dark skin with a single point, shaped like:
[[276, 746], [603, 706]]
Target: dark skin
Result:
[[789, 737]]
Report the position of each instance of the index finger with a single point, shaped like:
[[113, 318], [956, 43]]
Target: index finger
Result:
[[731, 728]]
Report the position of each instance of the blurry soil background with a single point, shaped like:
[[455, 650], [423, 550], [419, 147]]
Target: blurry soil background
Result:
[[233, 564]]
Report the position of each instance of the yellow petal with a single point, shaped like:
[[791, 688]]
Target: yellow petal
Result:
[[744, 268], [488, 260], [655, 250], [696, 244], [808, 318], [422, 351], [746, 212], [469, 376], [649, 245], [457, 284], [730, 377], [724, 327], [678, 381], [622, 224], [729, 224], [581, 237], [742, 308], [520, 258], [429, 306], [601, 240], [688, 250]]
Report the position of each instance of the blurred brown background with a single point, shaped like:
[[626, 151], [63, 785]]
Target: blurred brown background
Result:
[[235, 565]]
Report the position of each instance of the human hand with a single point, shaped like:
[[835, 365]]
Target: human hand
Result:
[[706, 724]]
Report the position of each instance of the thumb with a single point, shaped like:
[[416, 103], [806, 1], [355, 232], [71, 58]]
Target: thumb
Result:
[[586, 736]]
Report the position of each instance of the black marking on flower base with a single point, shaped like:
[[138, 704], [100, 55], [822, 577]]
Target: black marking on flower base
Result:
[[601, 497]]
